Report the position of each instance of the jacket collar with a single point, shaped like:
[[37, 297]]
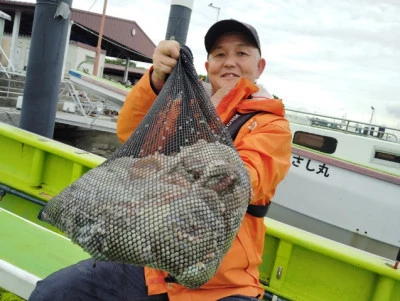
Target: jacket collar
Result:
[[247, 97]]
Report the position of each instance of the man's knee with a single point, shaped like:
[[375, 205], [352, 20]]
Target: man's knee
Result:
[[57, 286], [46, 290]]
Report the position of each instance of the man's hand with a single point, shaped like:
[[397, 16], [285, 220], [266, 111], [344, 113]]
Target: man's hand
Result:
[[220, 94], [165, 58]]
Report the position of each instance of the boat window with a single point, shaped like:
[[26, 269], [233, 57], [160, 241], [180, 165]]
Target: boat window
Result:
[[320, 143], [387, 157]]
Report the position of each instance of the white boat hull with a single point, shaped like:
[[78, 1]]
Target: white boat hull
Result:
[[358, 209]]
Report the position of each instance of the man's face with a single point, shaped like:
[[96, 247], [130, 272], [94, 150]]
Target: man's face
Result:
[[233, 56]]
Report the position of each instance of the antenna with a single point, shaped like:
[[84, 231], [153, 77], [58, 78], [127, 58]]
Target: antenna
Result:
[[94, 2]]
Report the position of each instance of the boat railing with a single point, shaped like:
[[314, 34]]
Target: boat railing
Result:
[[72, 97], [10, 67], [11, 84], [345, 125], [87, 104]]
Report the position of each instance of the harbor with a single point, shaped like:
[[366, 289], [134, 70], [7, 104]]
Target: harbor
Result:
[[331, 230]]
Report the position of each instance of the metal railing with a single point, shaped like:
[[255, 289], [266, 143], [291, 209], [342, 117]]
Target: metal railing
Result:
[[9, 63], [344, 125], [12, 85], [91, 107], [87, 105]]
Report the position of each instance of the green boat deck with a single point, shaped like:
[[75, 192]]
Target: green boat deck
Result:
[[33, 249], [297, 265], [35, 245]]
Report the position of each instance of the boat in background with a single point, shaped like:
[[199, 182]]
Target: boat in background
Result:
[[297, 265], [368, 145], [343, 184]]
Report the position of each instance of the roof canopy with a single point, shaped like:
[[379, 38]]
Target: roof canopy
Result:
[[121, 38]]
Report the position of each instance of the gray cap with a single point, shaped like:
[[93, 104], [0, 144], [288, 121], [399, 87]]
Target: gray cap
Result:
[[231, 25]]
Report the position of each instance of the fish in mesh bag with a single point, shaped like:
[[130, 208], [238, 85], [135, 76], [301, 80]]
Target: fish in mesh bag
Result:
[[172, 197]]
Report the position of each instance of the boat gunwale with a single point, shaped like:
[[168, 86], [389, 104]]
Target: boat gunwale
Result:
[[333, 249], [51, 146]]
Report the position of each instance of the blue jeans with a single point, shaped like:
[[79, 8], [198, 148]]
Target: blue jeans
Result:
[[90, 281]]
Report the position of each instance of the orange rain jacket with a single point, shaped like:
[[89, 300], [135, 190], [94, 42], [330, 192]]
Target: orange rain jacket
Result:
[[264, 144]]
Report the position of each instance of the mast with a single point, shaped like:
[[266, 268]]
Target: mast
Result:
[[98, 49]]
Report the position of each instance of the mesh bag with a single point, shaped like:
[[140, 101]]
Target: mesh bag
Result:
[[172, 197]]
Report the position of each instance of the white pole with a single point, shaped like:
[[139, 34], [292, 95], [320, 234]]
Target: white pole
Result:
[[14, 40], [186, 3], [217, 8], [63, 71], [372, 115]]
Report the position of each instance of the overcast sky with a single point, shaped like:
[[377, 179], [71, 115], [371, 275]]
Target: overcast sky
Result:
[[332, 57]]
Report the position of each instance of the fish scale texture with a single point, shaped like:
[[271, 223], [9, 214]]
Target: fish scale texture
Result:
[[172, 197]]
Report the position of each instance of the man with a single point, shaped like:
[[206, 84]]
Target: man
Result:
[[233, 65]]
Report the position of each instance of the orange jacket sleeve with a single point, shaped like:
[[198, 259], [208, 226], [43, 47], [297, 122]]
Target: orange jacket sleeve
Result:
[[137, 103], [265, 150]]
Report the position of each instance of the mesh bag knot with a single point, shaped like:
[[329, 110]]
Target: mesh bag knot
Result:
[[172, 197]]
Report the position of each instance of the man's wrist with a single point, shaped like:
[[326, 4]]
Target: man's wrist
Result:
[[155, 83]]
